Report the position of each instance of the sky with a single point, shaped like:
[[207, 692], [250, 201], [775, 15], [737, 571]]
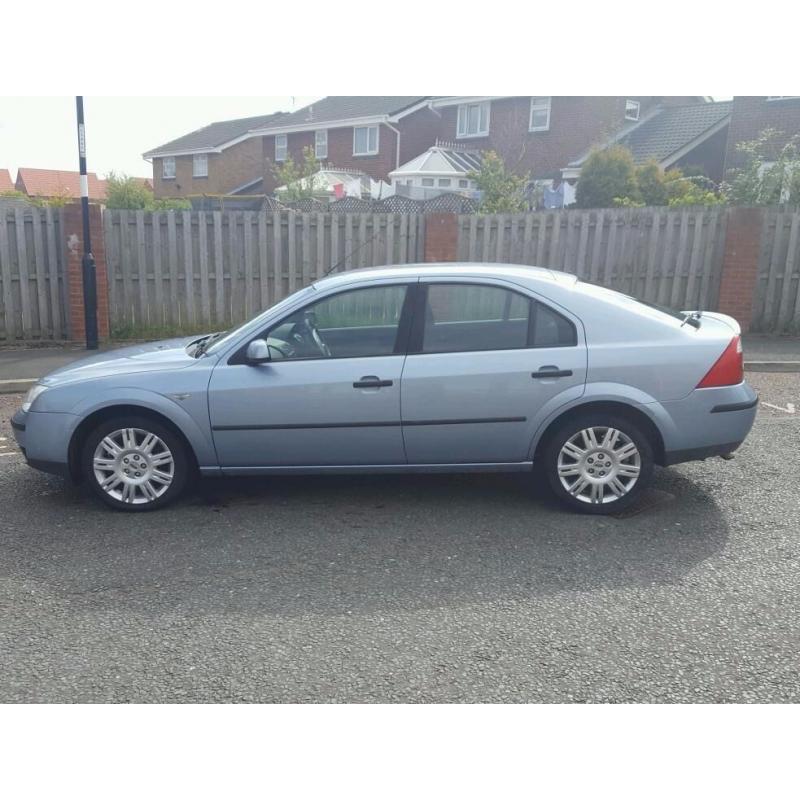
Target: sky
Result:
[[40, 131]]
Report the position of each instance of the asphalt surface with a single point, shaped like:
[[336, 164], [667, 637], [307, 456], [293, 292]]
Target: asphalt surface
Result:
[[412, 589]]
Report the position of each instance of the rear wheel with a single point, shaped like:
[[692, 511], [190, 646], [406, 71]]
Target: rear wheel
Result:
[[134, 463], [598, 464]]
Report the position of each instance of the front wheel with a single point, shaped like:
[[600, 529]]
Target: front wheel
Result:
[[598, 464], [134, 463]]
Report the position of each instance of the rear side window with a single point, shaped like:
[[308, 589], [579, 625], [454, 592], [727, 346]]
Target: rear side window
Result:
[[470, 317], [550, 329]]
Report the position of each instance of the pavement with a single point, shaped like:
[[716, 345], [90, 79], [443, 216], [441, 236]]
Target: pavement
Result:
[[410, 589], [21, 367]]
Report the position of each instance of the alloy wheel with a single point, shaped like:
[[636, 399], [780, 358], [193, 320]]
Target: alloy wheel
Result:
[[133, 466], [599, 465]]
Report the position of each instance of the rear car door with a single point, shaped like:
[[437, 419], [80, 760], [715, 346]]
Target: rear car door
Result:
[[330, 395], [484, 358]]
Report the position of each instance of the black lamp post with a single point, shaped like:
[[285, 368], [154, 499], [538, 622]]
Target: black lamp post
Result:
[[89, 273]]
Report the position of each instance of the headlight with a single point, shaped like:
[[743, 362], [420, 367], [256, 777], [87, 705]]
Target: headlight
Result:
[[33, 393]]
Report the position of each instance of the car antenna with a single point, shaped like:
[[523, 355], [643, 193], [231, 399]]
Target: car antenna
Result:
[[349, 255]]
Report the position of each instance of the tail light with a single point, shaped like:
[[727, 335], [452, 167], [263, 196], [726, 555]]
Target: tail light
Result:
[[728, 369]]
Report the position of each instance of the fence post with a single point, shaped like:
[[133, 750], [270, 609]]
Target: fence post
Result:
[[72, 231], [738, 283], [441, 237]]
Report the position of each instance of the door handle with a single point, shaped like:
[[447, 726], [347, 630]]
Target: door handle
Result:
[[371, 382], [551, 372]]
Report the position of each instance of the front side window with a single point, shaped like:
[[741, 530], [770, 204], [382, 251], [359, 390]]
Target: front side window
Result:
[[168, 167], [444, 181], [463, 183], [632, 110], [281, 147], [427, 181], [354, 324], [473, 119], [540, 114], [365, 140], [200, 166], [321, 144], [461, 318]]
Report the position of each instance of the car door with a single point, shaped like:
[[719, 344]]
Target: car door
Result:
[[329, 395], [484, 358]]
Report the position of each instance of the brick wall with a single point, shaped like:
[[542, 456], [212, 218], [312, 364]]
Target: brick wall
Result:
[[751, 115], [340, 153], [73, 235], [233, 167], [740, 264], [576, 123], [441, 237]]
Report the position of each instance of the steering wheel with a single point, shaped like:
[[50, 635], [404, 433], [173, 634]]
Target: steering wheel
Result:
[[307, 330]]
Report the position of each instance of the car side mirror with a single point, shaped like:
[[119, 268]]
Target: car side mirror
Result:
[[257, 352]]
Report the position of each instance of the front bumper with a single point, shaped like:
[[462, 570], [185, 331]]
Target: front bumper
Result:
[[43, 438]]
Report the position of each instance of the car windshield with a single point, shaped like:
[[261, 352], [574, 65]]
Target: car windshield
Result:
[[222, 342]]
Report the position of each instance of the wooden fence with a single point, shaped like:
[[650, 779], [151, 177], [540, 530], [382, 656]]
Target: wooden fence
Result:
[[32, 283], [670, 257], [215, 268], [776, 306]]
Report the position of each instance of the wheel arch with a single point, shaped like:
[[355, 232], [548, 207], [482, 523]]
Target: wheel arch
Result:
[[631, 412], [108, 412]]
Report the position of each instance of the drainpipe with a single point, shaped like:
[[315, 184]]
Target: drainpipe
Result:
[[397, 149]]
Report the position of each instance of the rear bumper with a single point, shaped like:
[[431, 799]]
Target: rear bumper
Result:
[[709, 422]]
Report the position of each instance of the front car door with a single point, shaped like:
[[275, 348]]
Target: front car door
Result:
[[330, 395], [484, 358]]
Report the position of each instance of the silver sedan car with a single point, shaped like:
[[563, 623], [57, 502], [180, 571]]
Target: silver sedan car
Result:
[[426, 368]]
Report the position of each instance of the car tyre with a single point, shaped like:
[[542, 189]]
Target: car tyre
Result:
[[134, 463], [598, 463]]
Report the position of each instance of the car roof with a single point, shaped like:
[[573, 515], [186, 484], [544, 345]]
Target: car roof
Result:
[[514, 272]]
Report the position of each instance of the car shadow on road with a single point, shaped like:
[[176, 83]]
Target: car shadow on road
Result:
[[367, 544]]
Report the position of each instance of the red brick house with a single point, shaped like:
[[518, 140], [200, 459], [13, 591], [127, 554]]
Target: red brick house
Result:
[[47, 184], [692, 135], [541, 135], [222, 158], [751, 115], [6, 184], [373, 135]]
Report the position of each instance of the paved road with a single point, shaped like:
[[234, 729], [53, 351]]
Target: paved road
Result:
[[410, 589]]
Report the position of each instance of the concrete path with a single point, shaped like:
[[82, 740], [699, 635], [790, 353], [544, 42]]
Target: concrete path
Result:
[[19, 368]]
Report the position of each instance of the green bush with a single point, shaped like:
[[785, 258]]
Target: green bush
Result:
[[771, 172], [503, 191], [607, 176], [123, 191]]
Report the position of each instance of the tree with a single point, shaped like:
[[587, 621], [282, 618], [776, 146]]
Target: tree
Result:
[[123, 191], [503, 191], [297, 178], [651, 184], [606, 176], [770, 174]]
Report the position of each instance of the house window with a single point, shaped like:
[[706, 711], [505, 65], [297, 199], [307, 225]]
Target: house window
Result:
[[168, 167], [281, 146], [200, 166], [321, 144], [463, 184], [632, 110], [540, 114], [473, 119], [427, 181], [365, 140], [444, 181]]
